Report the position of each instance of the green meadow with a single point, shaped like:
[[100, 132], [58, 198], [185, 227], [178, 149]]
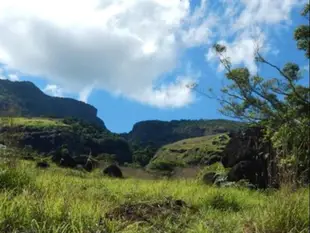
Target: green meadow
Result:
[[56, 200]]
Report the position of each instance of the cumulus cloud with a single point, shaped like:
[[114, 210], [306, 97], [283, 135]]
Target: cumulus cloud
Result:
[[53, 90], [7, 74], [13, 77], [249, 24], [119, 46], [124, 46]]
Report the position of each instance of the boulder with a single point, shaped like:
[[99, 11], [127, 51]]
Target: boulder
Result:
[[113, 171], [250, 157], [251, 171], [245, 145]]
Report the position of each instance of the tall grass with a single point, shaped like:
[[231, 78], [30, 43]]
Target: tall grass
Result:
[[59, 200]]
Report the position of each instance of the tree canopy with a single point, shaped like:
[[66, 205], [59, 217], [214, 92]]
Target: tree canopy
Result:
[[280, 104]]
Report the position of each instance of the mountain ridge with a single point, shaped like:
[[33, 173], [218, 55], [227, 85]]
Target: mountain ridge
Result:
[[24, 98]]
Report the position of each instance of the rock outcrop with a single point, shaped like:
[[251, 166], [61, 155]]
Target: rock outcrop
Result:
[[250, 157]]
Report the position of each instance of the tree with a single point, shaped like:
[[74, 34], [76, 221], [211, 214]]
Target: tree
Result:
[[279, 104], [302, 33]]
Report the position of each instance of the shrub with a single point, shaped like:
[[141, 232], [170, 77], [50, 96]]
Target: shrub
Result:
[[162, 166], [217, 168], [224, 203], [14, 179]]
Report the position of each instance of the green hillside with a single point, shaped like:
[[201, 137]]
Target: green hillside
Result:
[[190, 152], [67, 137], [159, 133]]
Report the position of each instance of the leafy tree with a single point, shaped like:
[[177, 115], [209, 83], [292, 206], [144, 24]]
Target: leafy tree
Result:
[[302, 33], [280, 104]]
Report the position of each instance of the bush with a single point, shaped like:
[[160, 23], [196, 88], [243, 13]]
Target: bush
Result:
[[162, 166], [224, 203], [217, 168], [14, 179]]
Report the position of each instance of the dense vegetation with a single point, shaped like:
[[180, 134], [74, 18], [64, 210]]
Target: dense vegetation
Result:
[[25, 99], [68, 136]]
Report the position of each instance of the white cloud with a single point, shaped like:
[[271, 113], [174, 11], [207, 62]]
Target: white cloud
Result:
[[126, 46], [121, 46], [85, 93], [7, 74], [249, 24], [13, 77], [53, 90], [242, 51], [173, 95]]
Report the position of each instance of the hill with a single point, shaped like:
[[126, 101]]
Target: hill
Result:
[[190, 152], [63, 138], [159, 133], [147, 137], [27, 100]]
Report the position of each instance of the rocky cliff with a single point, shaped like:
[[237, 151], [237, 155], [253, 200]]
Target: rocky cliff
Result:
[[27, 100]]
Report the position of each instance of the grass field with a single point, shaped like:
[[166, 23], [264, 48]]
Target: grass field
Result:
[[61, 200], [32, 122]]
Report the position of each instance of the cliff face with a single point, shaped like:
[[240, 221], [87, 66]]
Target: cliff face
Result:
[[25, 99], [159, 133]]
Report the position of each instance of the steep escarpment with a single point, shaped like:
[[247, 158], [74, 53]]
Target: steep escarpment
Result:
[[159, 133], [25, 99]]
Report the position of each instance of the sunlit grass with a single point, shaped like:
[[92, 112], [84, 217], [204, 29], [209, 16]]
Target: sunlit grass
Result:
[[32, 122], [63, 200]]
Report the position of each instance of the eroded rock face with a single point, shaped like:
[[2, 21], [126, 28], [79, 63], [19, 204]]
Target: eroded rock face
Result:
[[245, 145], [248, 170], [249, 156]]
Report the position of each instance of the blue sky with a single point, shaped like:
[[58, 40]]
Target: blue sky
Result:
[[133, 59]]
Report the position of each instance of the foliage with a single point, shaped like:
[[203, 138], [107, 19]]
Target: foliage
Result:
[[280, 104], [143, 155], [224, 203], [13, 178], [31, 122], [302, 33], [217, 168], [67, 137], [162, 165]]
